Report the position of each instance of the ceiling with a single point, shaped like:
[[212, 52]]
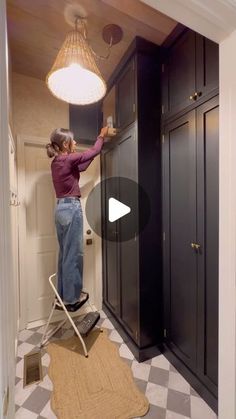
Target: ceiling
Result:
[[37, 30]]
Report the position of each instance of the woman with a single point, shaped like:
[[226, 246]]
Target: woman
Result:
[[66, 167]]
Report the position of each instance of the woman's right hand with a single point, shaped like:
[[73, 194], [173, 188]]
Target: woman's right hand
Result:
[[103, 132]]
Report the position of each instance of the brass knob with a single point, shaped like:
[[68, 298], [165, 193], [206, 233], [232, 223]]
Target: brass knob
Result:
[[194, 96], [195, 246]]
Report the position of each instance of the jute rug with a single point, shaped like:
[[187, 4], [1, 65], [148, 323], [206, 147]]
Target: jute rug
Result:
[[98, 387]]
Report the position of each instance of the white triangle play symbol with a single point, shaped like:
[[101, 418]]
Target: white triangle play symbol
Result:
[[116, 209]]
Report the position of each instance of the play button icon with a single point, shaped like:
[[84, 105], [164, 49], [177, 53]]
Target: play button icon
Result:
[[117, 210]]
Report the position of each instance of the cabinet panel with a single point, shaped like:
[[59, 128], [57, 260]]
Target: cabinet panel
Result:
[[182, 293], [125, 90], [111, 246], [129, 249], [85, 122], [190, 73], [109, 107], [180, 81], [191, 214], [207, 65], [208, 221]]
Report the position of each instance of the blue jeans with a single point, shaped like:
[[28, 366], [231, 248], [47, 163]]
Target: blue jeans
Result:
[[69, 225]]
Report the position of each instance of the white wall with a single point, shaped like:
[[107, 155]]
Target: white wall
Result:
[[227, 262], [7, 338]]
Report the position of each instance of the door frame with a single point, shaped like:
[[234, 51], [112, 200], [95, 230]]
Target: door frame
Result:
[[7, 319], [15, 203]]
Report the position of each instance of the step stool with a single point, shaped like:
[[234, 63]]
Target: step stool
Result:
[[82, 329]]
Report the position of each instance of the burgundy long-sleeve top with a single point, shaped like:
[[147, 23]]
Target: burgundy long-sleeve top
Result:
[[66, 169]]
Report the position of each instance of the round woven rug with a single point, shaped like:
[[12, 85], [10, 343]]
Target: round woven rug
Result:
[[98, 387]]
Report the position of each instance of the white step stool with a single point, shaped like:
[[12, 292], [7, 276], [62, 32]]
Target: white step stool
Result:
[[83, 328]]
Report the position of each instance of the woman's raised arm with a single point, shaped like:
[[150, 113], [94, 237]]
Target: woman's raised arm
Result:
[[82, 157]]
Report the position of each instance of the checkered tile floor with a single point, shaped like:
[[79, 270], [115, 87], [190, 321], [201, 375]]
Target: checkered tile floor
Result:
[[169, 394]]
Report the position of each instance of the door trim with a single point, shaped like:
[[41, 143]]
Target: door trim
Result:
[[7, 319], [12, 146]]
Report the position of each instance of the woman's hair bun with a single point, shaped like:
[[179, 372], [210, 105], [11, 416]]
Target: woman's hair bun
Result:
[[51, 152]]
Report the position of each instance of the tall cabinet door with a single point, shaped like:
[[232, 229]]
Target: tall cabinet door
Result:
[[112, 284], [207, 65], [179, 77], [191, 215], [128, 168], [208, 222], [180, 231], [126, 96]]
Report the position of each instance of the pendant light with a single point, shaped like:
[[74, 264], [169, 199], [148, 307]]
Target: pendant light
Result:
[[75, 77]]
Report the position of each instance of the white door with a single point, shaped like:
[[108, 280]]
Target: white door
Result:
[[41, 243], [40, 249]]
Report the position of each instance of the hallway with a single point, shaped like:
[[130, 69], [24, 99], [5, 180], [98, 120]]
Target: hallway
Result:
[[169, 394]]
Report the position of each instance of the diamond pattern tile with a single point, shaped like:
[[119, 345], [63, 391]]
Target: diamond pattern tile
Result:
[[178, 402], [177, 382], [141, 370], [169, 394]]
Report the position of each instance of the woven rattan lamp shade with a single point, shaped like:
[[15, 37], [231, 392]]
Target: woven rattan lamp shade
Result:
[[75, 77]]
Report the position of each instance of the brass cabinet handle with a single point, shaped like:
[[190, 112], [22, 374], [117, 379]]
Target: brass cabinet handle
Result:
[[194, 96], [195, 246]]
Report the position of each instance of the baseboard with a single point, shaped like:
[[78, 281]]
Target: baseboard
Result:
[[140, 354], [192, 379], [60, 316]]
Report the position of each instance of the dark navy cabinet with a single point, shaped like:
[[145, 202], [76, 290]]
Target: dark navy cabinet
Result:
[[190, 160], [132, 269], [190, 73]]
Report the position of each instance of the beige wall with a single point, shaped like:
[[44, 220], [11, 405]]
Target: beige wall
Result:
[[35, 111]]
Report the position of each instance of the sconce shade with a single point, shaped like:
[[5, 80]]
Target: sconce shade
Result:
[[75, 77]]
